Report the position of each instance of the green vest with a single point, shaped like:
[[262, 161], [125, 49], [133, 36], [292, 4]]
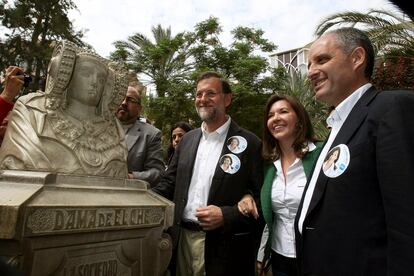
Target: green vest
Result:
[[308, 162]]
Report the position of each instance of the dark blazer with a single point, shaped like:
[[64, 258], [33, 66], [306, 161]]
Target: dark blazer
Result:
[[362, 222], [145, 156], [231, 249]]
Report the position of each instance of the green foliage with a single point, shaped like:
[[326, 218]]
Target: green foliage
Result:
[[207, 31], [298, 86], [33, 27], [389, 32], [249, 73], [165, 62], [173, 64], [247, 109], [394, 73], [177, 106], [250, 36]]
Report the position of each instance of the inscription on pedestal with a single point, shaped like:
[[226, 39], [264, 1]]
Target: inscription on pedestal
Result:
[[97, 261], [52, 220], [107, 268], [104, 268]]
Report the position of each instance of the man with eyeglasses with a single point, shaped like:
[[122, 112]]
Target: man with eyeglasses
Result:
[[145, 157], [210, 235]]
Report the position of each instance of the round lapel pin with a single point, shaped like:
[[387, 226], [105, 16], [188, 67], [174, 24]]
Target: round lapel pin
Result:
[[230, 163], [336, 161], [236, 144]]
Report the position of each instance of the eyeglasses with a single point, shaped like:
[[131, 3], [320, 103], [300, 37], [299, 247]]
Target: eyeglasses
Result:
[[132, 100], [208, 94]]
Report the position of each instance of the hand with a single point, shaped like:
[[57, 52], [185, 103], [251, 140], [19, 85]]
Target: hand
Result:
[[210, 217], [259, 269], [13, 83], [130, 176], [247, 206]]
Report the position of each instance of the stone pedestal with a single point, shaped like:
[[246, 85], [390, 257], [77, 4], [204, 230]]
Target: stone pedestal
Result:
[[54, 224]]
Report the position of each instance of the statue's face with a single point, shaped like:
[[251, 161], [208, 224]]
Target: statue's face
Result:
[[88, 81]]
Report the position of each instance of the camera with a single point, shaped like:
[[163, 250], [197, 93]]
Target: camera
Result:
[[27, 79]]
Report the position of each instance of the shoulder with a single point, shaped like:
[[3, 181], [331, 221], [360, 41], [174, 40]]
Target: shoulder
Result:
[[188, 139], [247, 134], [147, 128], [319, 145], [192, 134], [32, 100], [32, 97], [267, 165], [393, 101], [310, 156], [402, 96]]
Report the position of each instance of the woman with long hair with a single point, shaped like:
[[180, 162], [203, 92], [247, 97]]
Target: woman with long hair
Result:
[[289, 150]]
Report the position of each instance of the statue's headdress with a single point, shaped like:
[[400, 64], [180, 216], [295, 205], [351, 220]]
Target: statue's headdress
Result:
[[60, 71]]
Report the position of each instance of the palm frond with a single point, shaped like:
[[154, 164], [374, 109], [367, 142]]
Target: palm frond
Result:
[[387, 30]]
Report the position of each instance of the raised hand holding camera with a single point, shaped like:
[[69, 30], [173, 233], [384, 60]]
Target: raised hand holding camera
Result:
[[13, 83]]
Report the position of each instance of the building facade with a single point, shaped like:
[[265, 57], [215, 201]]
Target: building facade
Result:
[[294, 60]]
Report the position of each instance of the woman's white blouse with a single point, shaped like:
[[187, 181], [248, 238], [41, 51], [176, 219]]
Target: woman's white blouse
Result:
[[285, 203]]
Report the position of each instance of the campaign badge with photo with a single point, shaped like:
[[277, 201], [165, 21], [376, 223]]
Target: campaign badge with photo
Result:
[[229, 163], [336, 161], [236, 144]]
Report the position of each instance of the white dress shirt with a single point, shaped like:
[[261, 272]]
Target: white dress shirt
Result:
[[335, 120], [208, 155], [286, 195]]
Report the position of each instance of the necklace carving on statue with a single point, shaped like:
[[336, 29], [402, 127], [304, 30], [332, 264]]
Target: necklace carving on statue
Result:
[[96, 135]]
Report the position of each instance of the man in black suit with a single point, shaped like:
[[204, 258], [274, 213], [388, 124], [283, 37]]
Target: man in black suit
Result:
[[210, 235], [358, 220]]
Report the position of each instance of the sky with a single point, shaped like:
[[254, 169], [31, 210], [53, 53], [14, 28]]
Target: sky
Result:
[[287, 23]]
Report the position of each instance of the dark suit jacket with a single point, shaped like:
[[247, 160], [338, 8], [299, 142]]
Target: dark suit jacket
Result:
[[231, 249], [145, 156], [362, 222]]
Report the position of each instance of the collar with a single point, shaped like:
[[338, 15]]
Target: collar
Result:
[[341, 112], [126, 127], [220, 131], [311, 146]]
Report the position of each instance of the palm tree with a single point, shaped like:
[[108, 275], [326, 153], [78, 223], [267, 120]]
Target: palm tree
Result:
[[165, 61], [389, 32], [298, 86]]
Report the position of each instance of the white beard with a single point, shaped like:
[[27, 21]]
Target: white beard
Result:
[[205, 115]]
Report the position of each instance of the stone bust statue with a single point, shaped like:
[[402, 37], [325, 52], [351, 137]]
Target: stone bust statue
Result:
[[70, 127]]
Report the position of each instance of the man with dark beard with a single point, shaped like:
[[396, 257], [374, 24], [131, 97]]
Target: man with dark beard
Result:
[[145, 157], [210, 235]]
